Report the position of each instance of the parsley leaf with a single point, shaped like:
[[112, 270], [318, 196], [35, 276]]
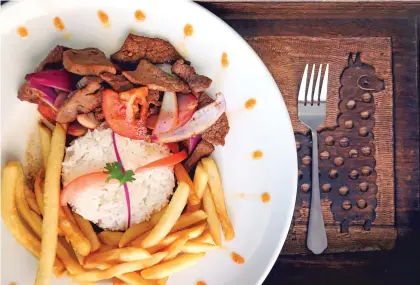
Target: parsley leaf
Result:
[[115, 171]]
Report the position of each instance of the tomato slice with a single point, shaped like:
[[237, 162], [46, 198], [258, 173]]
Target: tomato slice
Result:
[[187, 105], [47, 112], [173, 147], [80, 183], [164, 162], [119, 118]]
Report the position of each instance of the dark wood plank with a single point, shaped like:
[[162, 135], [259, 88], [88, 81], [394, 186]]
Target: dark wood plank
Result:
[[400, 21], [302, 10]]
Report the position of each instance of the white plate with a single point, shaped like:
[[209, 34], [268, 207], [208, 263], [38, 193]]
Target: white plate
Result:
[[261, 228]]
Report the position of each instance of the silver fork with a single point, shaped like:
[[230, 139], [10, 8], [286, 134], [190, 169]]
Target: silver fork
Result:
[[312, 111]]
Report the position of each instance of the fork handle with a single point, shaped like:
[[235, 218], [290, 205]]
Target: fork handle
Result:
[[317, 236]]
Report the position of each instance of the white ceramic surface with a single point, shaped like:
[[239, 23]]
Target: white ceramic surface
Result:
[[260, 228]]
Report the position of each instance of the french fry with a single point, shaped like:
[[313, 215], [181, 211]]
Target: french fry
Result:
[[116, 281], [110, 238], [87, 229], [69, 214], [204, 238], [31, 200], [74, 235], [51, 204], [188, 219], [169, 218], [162, 281], [125, 254], [193, 232], [45, 134], [35, 223], [39, 190], [217, 192], [134, 231], [172, 266], [11, 217], [134, 278], [80, 258], [176, 247], [39, 194], [182, 175], [120, 269], [197, 247], [105, 247], [157, 216], [212, 218], [184, 221], [200, 180]]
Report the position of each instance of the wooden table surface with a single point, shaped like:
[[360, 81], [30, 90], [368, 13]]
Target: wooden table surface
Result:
[[400, 21]]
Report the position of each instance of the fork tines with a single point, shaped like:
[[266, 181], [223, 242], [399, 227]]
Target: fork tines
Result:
[[313, 96]]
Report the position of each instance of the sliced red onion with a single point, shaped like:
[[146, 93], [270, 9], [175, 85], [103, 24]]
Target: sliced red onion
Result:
[[127, 194], [61, 98], [49, 94], [59, 79], [168, 115], [192, 143], [202, 119]]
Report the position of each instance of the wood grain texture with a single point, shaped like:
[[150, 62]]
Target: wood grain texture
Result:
[[399, 22], [359, 228]]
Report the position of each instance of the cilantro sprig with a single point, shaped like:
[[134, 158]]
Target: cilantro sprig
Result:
[[115, 171]]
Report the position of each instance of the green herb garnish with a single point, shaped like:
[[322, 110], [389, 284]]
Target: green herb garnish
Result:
[[115, 171]]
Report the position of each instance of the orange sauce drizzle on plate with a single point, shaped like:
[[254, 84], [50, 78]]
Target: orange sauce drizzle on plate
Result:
[[250, 103], [139, 15], [22, 32], [257, 154], [237, 258], [188, 30], [58, 24], [265, 197], [225, 61], [104, 18], [201, 283]]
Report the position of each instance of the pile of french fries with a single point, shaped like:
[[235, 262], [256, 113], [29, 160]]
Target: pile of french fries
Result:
[[173, 239]]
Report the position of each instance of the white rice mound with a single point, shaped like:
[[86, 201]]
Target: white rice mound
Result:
[[106, 205]]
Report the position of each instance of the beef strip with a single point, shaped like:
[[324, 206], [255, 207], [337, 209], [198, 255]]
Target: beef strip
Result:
[[155, 50], [80, 101], [88, 61], [217, 132], [55, 59], [155, 78], [197, 83], [99, 114], [153, 97], [153, 110], [118, 82], [203, 149], [203, 100], [27, 93], [86, 80]]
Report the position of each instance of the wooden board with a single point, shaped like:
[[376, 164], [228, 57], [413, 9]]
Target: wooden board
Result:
[[399, 22], [355, 143]]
